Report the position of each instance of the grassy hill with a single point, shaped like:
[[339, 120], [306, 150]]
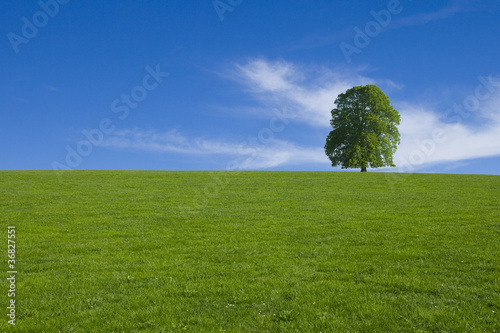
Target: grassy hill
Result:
[[125, 251]]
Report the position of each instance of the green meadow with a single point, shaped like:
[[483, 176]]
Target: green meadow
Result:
[[147, 251]]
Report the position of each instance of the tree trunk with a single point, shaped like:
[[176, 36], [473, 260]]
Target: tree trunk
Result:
[[363, 169]]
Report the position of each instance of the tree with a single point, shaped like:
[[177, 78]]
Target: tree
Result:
[[365, 129]]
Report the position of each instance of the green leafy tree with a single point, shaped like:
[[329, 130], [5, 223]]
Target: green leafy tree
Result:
[[365, 129]]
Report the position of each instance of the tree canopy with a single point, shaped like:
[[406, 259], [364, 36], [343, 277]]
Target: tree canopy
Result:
[[364, 131]]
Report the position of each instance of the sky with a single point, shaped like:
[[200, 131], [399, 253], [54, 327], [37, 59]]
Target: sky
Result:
[[243, 85]]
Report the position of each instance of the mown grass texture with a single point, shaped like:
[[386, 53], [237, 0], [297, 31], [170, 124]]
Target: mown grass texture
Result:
[[131, 251]]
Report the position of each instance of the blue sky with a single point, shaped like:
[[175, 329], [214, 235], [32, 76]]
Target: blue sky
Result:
[[243, 85]]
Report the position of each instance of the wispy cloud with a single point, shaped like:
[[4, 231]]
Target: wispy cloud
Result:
[[310, 94], [425, 18], [323, 38], [273, 154], [51, 88], [20, 99]]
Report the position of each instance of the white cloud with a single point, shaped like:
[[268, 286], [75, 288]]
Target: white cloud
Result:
[[281, 84], [427, 139]]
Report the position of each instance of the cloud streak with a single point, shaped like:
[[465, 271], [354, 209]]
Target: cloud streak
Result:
[[244, 157], [323, 39], [425, 18]]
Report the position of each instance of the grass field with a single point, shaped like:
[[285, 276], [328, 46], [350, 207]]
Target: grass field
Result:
[[130, 251]]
